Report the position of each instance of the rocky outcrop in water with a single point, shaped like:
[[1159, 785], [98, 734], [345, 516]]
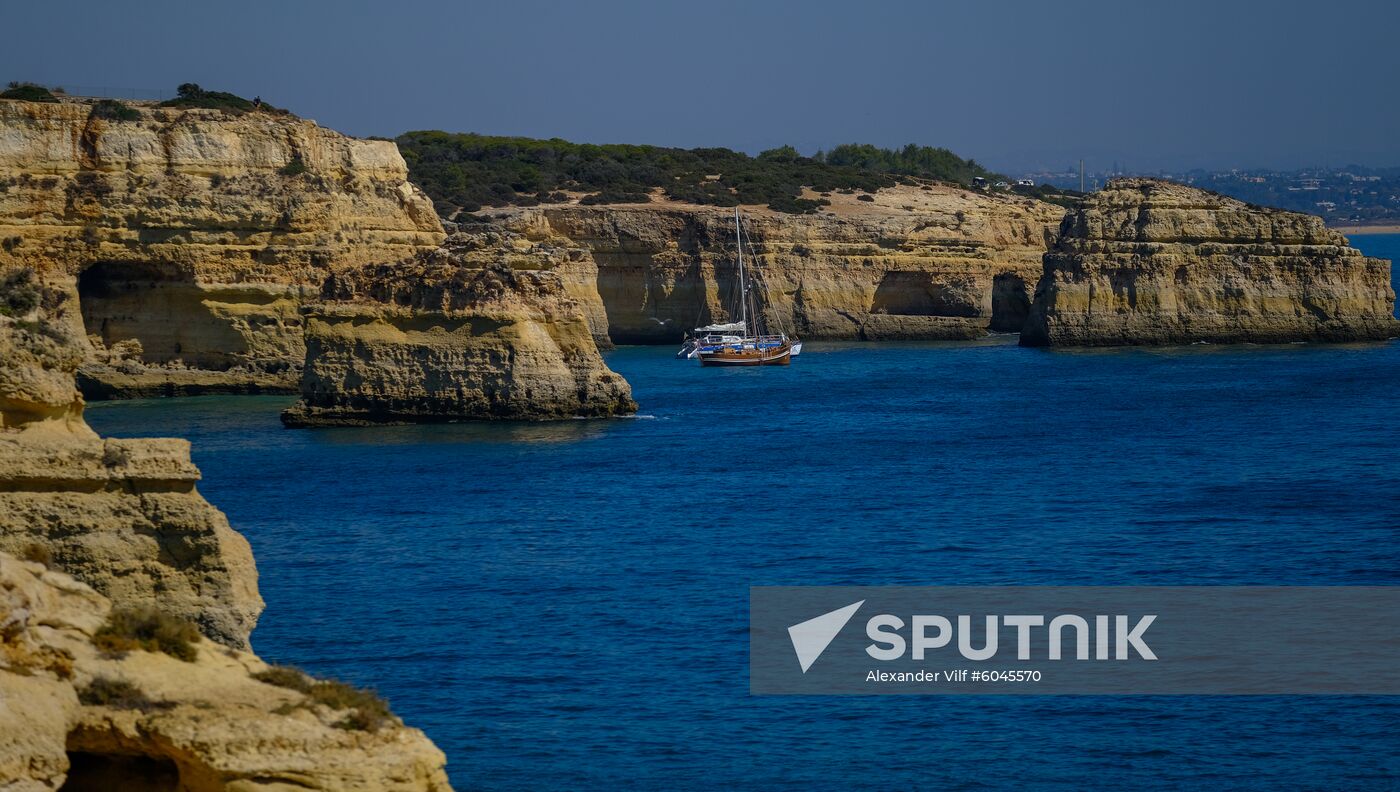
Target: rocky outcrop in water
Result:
[[912, 262], [193, 236], [73, 710], [1151, 262], [481, 329]]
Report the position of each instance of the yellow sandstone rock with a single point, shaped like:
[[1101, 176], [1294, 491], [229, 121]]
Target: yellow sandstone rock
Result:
[[122, 515], [476, 330], [932, 261], [1151, 262], [191, 246], [185, 229], [144, 720]]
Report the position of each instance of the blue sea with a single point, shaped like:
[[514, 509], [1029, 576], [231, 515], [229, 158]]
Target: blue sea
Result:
[[565, 605]]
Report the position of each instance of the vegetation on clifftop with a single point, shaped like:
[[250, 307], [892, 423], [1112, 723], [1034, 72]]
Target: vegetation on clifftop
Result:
[[191, 95], [118, 694], [147, 629], [28, 92], [112, 110], [365, 710], [468, 171]]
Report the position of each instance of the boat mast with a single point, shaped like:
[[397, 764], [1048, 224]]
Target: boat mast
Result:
[[743, 287]]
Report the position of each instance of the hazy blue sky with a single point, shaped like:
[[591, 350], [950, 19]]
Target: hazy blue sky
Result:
[[1017, 85]]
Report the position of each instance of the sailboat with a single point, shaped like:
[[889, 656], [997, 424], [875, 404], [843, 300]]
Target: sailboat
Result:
[[743, 343]]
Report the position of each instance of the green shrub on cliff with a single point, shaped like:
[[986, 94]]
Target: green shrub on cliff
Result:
[[464, 172], [28, 92], [112, 110], [918, 161], [366, 711], [295, 167], [614, 197], [118, 694], [285, 677], [797, 205], [149, 630], [191, 95], [19, 294], [780, 154]]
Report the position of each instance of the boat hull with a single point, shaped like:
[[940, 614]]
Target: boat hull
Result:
[[770, 356]]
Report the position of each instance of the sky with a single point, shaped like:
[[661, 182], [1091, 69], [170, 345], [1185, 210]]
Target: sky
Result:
[[1020, 86]]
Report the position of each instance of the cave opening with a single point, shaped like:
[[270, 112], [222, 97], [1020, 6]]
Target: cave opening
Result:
[[917, 293], [1011, 303], [101, 772], [161, 308]]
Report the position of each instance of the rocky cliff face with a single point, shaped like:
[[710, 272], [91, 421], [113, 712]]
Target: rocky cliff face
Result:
[[480, 329], [1150, 262], [124, 517], [72, 710], [926, 262], [192, 236]]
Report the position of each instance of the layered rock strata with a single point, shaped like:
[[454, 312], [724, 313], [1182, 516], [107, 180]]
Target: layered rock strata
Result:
[[1151, 262], [193, 236], [912, 262], [122, 515], [75, 716], [124, 518], [481, 329]]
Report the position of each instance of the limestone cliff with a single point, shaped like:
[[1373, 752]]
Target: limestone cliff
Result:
[[193, 235], [1150, 262], [122, 515], [913, 262], [72, 710], [480, 329]]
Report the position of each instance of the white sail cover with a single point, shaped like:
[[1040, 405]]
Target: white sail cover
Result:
[[732, 327]]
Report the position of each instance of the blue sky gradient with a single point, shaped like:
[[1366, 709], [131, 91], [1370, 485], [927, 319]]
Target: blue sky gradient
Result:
[[1018, 85]]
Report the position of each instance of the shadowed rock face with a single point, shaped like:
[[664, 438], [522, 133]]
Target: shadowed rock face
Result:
[[1151, 262], [192, 241], [917, 262], [482, 329]]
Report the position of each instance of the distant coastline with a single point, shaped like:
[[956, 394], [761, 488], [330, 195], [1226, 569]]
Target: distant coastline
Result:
[[1379, 228]]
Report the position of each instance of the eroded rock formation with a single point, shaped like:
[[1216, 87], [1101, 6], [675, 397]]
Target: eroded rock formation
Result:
[[1151, 262], [914, 262], [194, 235], [122, 515], [480, 329], [70, 710]]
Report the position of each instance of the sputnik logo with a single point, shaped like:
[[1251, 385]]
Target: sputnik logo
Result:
[[812, 637]]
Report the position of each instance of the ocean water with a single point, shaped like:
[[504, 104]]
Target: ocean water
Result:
[[565, 605]]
